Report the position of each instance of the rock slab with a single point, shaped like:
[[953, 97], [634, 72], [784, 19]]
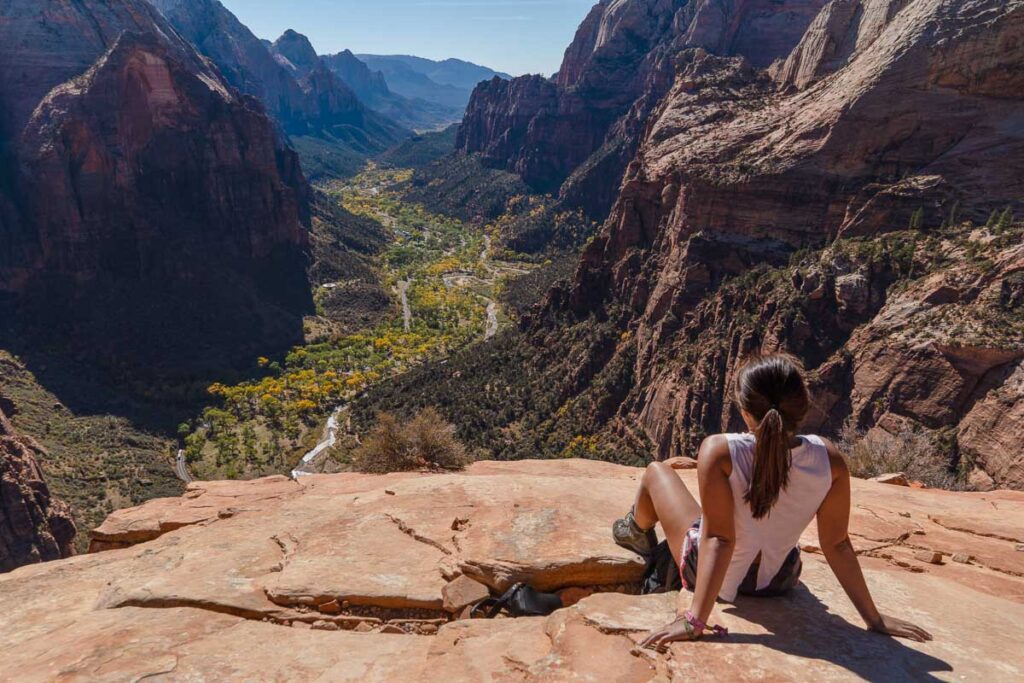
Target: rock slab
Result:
[[201, 601]]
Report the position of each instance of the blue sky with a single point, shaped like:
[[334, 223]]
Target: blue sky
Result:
[[517, 36]]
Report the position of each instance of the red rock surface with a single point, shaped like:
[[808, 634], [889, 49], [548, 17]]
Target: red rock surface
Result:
[[193, 602], [34, 527]]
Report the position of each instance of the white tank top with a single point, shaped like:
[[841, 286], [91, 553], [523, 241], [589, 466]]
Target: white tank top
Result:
[[775, 536]]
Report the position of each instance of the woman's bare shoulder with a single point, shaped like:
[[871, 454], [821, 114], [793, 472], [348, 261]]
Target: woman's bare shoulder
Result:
[[714, 452], [836, 460]]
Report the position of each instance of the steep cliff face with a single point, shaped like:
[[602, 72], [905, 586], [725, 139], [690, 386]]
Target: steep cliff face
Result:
[[243, 60], [918, 126], [588, 120], [140, 176], [843, 28], [33, 526], [47, 43], [111, 155]]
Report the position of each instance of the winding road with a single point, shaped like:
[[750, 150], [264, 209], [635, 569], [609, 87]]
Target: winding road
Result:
[[329, 438], [181, 467]]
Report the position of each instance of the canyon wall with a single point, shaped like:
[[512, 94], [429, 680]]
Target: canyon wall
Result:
[[913, 127]]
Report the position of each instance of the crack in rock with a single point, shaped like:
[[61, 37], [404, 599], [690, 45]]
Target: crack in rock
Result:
[[980, 534], [916, 526], [974, 561], [278, 617], [411, 533], [288, 545]]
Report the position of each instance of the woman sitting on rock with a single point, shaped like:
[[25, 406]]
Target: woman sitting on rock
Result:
[[760, 491]]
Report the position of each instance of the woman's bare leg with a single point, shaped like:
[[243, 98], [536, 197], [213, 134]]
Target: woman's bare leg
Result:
[[663, 497]]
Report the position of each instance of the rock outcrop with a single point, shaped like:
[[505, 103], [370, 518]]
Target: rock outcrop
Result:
[[136, 174], [345, 576], [34, 527], [584, 125]]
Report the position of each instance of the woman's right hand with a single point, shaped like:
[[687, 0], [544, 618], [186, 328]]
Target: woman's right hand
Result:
[[897, 628]]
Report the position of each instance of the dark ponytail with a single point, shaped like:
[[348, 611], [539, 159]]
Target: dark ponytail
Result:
[[771, 389]]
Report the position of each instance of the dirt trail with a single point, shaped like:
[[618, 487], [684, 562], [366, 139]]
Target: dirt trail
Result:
[[492, 320], [403, 292]]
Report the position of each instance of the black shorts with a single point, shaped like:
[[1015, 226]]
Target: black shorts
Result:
[[783, 581]]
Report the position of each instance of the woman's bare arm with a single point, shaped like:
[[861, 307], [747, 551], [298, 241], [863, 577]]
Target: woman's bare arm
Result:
[[718, 533], [716, 544], [834, 538]]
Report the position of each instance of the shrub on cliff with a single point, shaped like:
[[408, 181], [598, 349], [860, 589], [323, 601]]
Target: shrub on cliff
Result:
[[426, 441], [910, 451]]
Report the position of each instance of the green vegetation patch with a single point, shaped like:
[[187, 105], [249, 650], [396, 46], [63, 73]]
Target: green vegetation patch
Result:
[[440, 266]]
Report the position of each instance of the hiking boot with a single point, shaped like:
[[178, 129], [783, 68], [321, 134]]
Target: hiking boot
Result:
[[631, 537]]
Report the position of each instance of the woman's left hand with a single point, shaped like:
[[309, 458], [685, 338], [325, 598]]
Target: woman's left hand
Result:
[[678, 630], [681, 463]]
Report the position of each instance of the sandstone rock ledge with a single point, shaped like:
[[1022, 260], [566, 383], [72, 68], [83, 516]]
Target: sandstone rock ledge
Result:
[[339, 578]]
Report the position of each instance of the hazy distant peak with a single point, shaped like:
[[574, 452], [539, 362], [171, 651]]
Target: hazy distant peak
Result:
[[451, 71]]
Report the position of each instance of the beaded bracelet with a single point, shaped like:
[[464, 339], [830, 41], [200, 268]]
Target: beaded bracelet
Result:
[[699, 626]]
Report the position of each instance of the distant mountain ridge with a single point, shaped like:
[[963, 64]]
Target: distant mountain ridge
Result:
[[372, 88], [448, 82], [455, 72]]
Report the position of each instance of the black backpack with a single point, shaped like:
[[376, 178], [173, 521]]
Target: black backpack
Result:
[[662, 572], [519, 601]]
